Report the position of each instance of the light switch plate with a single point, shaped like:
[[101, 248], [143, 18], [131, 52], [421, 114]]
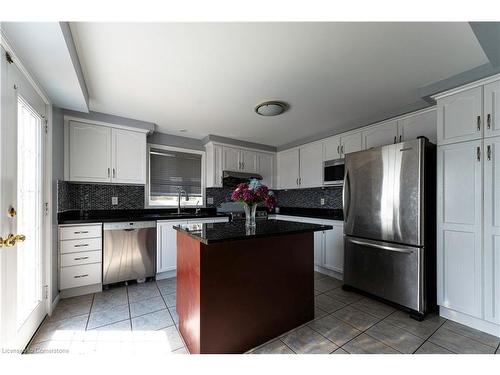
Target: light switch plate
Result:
[[210, 200], [322, 201], [114, 201]]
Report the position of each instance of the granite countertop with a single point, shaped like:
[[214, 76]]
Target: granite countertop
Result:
[[319, 213], [236, 230], [153, 214]]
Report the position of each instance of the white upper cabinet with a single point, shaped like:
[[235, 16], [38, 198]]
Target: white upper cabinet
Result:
[[248, 161], [380, 135], [311, 172], [128, 156], [459, 116], [492, 109], [266, 168], [231, 159], [89, 152], [350, 143], [331, 148], [97, 153], [288, 169], [422, 124]]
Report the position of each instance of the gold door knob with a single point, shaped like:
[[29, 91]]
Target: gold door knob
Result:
[[11, 240]]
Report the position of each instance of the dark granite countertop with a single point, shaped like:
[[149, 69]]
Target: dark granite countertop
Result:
[[319, 213], [153, 214], [236, 230]]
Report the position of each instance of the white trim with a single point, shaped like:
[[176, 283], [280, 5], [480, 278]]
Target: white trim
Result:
[[178, 149], [54, 304], [470, 321], [67, 119], [325, 271], [215, 143], [466, 87], [47, 220]]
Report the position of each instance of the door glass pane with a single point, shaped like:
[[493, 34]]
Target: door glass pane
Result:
[[29, 210]]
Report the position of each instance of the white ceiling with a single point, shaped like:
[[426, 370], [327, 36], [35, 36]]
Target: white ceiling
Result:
[[207, 77]]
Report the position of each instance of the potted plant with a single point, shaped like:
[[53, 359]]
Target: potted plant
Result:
[[251, 194]]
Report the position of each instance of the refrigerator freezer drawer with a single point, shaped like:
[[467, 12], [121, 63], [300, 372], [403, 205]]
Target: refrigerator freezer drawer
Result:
[[386, 270]]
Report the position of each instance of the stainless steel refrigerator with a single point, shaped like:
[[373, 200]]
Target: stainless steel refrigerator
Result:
[[389, 224]]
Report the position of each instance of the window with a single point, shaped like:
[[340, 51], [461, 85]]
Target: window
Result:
[[172, 170]]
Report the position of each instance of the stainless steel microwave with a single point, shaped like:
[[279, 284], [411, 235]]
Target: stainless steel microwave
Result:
[[333, 172]]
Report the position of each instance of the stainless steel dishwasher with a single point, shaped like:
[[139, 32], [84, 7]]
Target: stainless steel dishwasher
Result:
[[129, 251]]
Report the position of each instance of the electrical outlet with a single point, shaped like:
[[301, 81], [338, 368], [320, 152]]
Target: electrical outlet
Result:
[[322, 201], [210, 200], [114, 201]]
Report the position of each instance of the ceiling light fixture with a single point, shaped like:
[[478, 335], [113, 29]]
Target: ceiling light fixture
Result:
[[271, 108]]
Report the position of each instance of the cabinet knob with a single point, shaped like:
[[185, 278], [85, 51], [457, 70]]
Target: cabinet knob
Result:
[[488, 121], [478, 123], [488, 152], [478, 152]]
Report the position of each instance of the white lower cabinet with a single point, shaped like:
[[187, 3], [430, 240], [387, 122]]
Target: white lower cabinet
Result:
[[166, 241]]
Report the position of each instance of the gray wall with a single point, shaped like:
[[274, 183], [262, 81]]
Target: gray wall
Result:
[[176, 141]]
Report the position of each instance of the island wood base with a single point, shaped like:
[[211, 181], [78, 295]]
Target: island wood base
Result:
[[233, 296]]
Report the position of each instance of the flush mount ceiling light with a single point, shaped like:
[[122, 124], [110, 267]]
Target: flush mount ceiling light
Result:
[[271, 108]]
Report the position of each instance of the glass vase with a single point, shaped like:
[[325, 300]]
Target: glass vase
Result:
[[250, 210]]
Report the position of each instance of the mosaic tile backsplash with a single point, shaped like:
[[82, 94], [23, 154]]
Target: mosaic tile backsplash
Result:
[[77, 196]]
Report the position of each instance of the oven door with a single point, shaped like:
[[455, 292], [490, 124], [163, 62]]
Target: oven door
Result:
[[333, 172]]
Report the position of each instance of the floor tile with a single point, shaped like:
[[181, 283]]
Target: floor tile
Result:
[[327, 283], [152, 321], [167, 289], [274, 347], [146, 306], [61, 330], [319, 275], [365, 344], [108, 316], [344, 296], [395, 337], [182, 350], [174, 340], [357, 318], [307, 341], [334, 329], [318, 312], [77, 299], [423, 329], [170, 299], [123, 325], [173, 313], [472, 333], [340, 351], [49, 347], [110, 298], [375, 308], [317, 292], [69, 310], [459, 344], [430, 348], [139, 292], [166, 282], [327, 303]]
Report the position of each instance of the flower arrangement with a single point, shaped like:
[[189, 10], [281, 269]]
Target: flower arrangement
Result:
[[254, 192]]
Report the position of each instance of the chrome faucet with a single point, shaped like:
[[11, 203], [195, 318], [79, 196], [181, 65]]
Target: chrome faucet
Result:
[[181, 191]]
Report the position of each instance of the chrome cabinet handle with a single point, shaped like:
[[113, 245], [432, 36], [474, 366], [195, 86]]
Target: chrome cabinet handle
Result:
[[300, 180], [81, 258], [382, 247], [338, 149], [342, 149], [400, 138], [114, 173], [488, 152], [488, 121], [78, 276], [478, 123], [82, 245], [81, 232], [395, 139], [108, 172], [478, 152]]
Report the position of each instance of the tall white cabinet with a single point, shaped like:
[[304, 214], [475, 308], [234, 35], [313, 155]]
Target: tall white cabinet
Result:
[[468, 203]]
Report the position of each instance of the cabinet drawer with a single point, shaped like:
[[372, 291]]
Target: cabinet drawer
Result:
[[86, 257], [80, 231], [87, 274], [85, 244]]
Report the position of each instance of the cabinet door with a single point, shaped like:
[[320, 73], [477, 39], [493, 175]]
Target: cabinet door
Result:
[[319, 242], [334, 247], [351, 143], [266, 169], [311, 165], [492, 109], [288, 169], [166, 254], [248, 161], [128, 157], [381, 135], [89, 152], [459, 255], [331, 148], [459, 117], [217, 165], [231, 159], [492, 230], [422, 124]]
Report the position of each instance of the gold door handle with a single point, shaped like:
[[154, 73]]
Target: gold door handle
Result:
[[11, 240]]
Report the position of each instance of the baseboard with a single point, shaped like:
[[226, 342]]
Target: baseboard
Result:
[[54, 304], [166, 275], [470, 321], [331, 273], [80, 291]]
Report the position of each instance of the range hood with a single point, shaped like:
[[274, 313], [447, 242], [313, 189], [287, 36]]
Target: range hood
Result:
[[232, 178]]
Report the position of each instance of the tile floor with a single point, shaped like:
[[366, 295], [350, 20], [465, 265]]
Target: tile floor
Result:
[[141, 318]]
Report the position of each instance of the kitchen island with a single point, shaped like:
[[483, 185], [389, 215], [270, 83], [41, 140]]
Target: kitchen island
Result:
[[239, 287]]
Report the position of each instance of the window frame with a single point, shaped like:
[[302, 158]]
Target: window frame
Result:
[[178, 149]]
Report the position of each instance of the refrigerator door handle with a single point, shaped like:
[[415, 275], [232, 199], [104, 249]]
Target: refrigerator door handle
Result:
[[383, 247], [346, 195]]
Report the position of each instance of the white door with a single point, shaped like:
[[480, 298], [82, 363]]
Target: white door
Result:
[[89, 152], [459, 255], [331, 148], [334, 247], [381, 135], [492, 109], [311, 165], [422, 124], [266, 169], [459, 117], [248, 161], [288, 169], [128, 157], [351, 143], [492, 230], [231, 157], [22, 179], [166, 255]]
